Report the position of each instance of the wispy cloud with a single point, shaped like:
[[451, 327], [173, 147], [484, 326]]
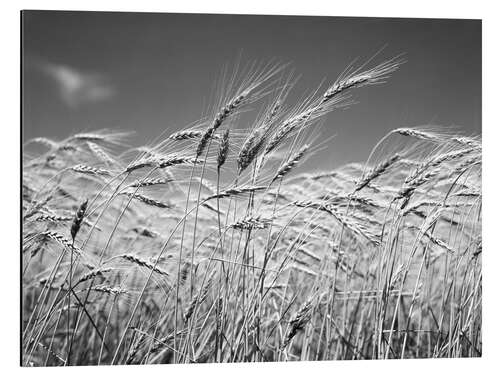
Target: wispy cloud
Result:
[[76, 87]]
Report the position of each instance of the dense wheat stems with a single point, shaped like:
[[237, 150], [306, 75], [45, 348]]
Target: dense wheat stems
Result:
[[217, 243]]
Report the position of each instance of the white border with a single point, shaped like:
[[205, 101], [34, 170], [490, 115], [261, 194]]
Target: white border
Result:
[[10, 91]]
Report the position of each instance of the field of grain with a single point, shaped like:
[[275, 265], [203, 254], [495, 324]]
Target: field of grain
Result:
[[214, 245]]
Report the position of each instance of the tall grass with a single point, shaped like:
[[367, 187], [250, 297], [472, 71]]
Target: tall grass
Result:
[[213, 245]]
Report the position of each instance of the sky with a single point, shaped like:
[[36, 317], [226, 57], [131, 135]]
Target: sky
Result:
[[155, 72]]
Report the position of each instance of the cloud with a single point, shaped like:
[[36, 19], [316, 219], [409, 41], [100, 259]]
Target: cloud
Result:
[[76, 87]]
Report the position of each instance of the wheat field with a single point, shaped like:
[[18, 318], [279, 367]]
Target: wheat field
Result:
[[213, 244]]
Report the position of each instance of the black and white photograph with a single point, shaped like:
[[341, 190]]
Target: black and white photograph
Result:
[[221, 188]]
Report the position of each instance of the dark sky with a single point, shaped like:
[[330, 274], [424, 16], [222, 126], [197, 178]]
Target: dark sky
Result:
[[152, 71]]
